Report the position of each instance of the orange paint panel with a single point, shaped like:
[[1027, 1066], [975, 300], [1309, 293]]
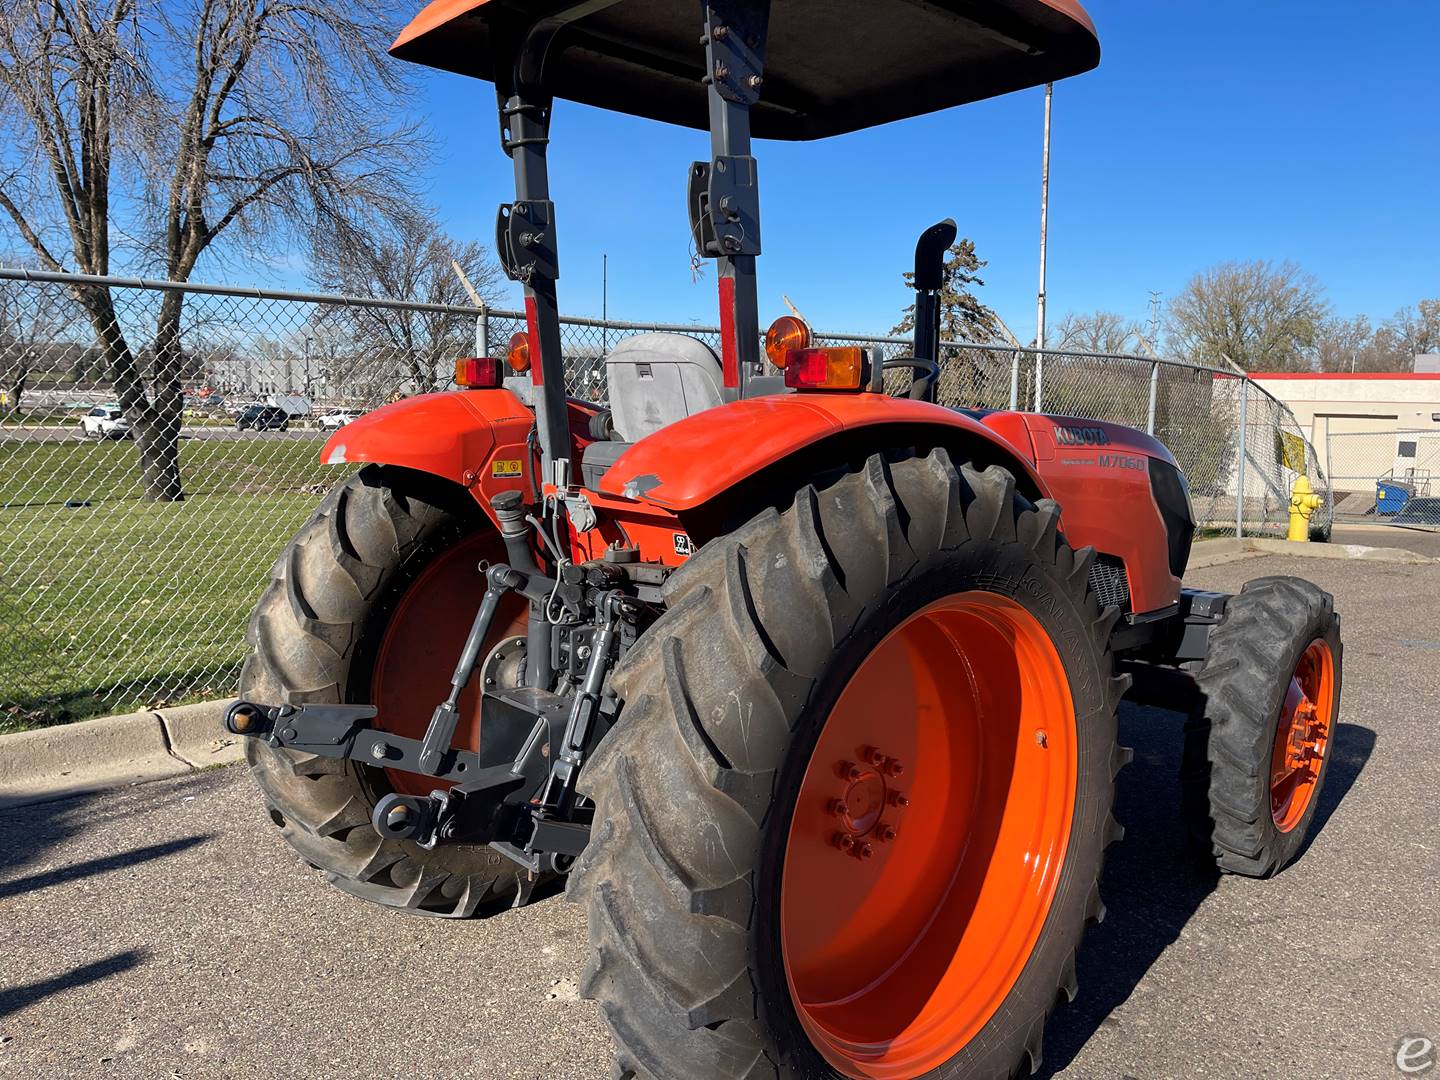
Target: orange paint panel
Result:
[[433, 16], [457, 435], [1099, 473], [657, 533], [695, 459]]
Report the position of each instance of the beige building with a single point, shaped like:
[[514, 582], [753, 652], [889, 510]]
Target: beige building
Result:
[[1368, 425]]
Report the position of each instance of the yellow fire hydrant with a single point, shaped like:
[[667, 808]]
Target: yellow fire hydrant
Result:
[[1303, 503]]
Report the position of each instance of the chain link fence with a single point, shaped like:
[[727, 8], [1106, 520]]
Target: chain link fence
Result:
[[161, 444], [1385, 477]]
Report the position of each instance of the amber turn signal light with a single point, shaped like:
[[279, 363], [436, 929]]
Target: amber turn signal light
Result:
[[477, 372], [825, 369], [787, 334], [518, 353]]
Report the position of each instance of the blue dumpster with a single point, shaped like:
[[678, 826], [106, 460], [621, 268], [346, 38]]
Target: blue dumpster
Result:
[[1391, 496]]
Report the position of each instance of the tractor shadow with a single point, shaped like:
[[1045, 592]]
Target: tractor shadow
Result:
[[38, 866], [1154, 882]]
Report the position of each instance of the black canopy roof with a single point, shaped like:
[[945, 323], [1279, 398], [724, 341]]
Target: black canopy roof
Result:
[[831, 66]]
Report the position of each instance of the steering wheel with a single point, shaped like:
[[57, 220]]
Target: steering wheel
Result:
[[919, 387]]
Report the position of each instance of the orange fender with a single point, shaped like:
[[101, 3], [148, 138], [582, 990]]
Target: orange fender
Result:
[[477, 438], [696, 459]]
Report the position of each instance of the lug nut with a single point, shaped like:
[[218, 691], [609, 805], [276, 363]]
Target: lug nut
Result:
[[873, 755], [900, 799], [887, 833], [850, 771], [866, 850], [894, 768], [837, 807], [844, 841]]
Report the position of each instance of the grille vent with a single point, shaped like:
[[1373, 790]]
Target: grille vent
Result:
[[1110, 583]]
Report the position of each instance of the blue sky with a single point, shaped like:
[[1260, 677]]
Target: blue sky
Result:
[[1211, 131]]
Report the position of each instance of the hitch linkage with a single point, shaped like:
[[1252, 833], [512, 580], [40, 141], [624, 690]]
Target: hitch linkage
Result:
[[518, 792]]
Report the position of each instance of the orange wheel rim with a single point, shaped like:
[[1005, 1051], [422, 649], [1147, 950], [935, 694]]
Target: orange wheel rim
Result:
[[928, 837], [1302, 736], [422, 642]]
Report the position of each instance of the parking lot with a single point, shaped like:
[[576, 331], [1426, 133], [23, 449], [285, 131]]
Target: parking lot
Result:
[[166, 931]]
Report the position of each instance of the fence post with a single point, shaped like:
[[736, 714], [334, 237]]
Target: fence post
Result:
[[482, 332], [1039, 382], [1240, 475], [1154, 391], [1015, 380]]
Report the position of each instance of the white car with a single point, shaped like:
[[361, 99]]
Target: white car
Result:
[[105, 422], [334, 421]]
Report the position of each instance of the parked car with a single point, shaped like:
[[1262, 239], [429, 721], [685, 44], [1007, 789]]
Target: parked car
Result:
[[105, 422], [263, 418], [334, 421]]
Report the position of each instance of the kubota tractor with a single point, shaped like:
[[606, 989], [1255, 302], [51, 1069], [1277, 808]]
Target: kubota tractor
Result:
[[808, 689]]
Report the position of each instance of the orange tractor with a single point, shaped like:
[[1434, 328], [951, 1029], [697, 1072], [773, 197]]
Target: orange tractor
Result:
[[806, 689]]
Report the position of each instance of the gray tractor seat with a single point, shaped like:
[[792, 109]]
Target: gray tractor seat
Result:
[[654, 380], [657, 379]]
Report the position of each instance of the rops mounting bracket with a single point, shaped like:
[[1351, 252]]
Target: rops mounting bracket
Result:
[[525, 240]]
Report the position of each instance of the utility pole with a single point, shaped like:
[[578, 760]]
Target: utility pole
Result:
[[1040, 298], [604, 303]]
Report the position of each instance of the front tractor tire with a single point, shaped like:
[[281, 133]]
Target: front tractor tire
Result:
[[851, 821], [1259, 738], [370, 603]]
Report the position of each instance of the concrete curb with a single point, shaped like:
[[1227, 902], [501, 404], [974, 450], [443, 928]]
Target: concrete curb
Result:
[[1338, 551], [1207, 553], [1218, 552], [113, 751]]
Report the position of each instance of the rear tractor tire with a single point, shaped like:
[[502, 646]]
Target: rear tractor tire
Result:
[[1258, 741], [370, 602], [851, 821]]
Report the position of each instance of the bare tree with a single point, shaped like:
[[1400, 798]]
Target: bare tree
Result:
[[1355, 345], [1263, 316], [1414, 330], [35, 340], [232, 117], [1099, 332], [412, 260]]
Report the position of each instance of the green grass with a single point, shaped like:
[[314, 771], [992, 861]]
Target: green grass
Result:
[[125, 604]]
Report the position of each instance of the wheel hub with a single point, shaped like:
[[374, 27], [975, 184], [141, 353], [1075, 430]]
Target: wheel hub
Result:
[[1302, 736], [927, 837], [870, 804]]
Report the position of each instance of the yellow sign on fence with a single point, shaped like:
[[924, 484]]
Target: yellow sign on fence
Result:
[[1292, 451]]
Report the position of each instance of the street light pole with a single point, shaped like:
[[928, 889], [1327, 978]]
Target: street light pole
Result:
[[1040, 298]]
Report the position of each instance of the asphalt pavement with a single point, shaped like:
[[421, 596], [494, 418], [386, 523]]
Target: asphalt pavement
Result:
[[166, 931]]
